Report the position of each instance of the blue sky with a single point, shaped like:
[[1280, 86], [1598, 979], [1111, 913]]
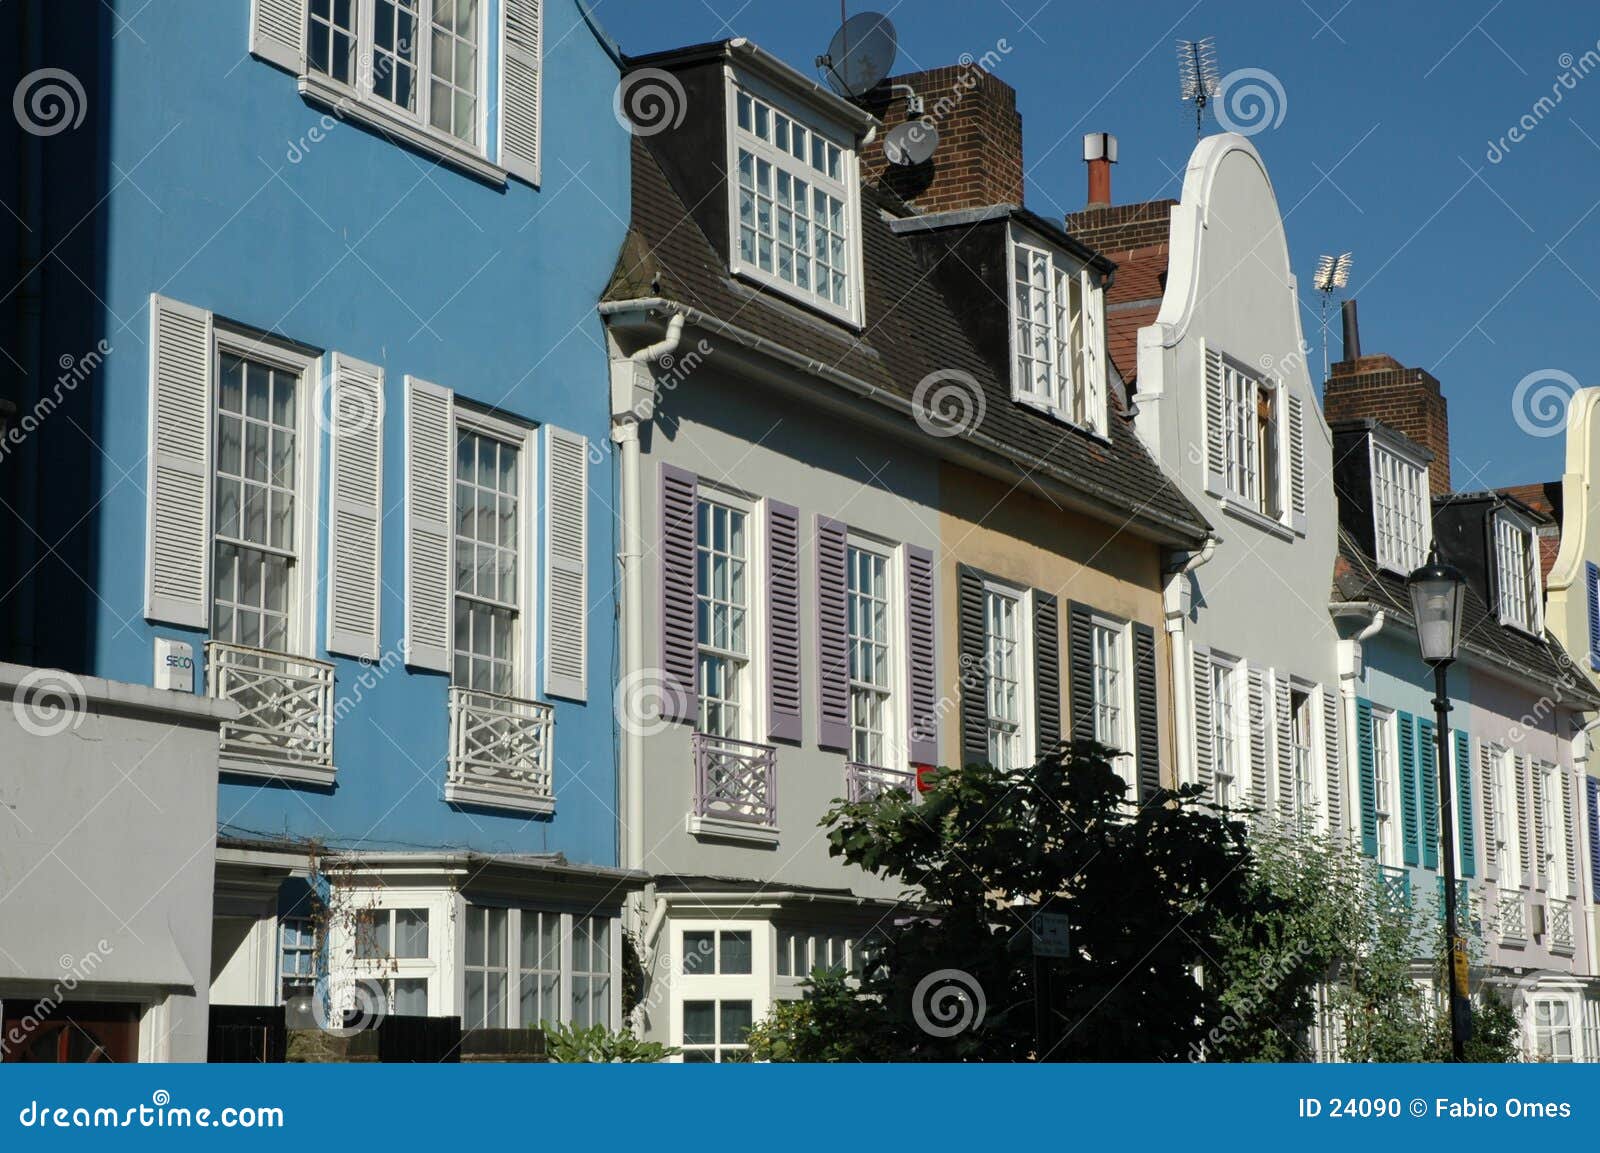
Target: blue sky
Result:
[[1481, 271]]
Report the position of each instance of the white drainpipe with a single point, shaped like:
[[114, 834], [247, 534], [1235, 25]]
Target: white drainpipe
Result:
[[1182, 665], [625, 435], [1351, 662]]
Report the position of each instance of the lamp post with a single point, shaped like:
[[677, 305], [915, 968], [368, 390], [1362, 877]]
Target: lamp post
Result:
[[1438, 593]]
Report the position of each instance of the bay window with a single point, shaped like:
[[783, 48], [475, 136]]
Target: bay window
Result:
[[527, 968], [794, 202], [1517, 573], [1553, 1029], [1402, 524], [1058, 358]]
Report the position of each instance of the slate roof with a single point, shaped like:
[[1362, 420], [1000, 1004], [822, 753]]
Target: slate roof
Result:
[[911, 331], [1357, 579]]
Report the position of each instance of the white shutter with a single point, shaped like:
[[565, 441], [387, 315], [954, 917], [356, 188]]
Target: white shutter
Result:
[[521, 83], [177, 551], [1297, 461], [1216, 415], [429, 454], [1205, 753], [355, 507], [276, 32], [1094, 343], [566, 539]]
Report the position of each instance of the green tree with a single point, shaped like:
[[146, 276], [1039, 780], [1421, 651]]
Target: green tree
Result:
[[1139, 885]]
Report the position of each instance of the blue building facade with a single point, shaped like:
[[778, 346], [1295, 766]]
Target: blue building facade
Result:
[[331, 266]]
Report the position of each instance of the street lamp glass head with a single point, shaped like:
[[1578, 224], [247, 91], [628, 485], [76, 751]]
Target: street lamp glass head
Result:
[[1438, 594]]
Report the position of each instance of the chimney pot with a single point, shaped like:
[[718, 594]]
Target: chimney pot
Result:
[[1100, 152], [1352, 331]]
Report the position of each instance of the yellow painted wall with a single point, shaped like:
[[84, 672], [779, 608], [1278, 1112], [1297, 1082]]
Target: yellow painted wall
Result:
[[1019, 537]]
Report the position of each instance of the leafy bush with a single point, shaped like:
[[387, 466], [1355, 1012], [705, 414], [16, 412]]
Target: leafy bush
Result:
[[570, 1044]]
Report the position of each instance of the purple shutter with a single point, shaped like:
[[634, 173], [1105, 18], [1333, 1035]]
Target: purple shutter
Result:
[[833, 642], [679, 692], [923, 743], [783, 615]]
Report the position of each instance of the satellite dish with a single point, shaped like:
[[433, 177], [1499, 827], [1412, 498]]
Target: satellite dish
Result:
[[910, 143], [861, 54]]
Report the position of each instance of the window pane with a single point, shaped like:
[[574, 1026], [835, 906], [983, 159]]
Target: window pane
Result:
[[699, 952], [736, 1020], [411, 996], [411, 933], [699, 1022], [735, 953]]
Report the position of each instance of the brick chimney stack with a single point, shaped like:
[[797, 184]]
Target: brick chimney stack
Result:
[[979, 159], [1099, 153], [1379, 387]]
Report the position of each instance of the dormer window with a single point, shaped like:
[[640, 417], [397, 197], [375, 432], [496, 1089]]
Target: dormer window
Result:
[[1517, 573], [1402, 528], [794, 202], [1058, 333]]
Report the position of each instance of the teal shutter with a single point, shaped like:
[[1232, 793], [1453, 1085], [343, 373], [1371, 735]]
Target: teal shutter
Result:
[[1366, 785], [1466, 830], [1428, 772], [1410, 834]]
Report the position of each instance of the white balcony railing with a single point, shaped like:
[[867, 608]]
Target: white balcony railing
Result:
[[499, 752], [868, 782], [285, 725], [1512, 919], [1561, 939]]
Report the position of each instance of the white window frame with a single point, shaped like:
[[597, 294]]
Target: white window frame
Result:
[[567, 920], [755, 986], [301, 924], [525, 439], [1023, 601], [1078, 395], [895, 726], [1230, 735], [1402, 508], [359, 101], [1547, 779], [1386, 786], [236, 341], [1508, 847], [1518, 587], [846, 189], [752, 712], [1307, 802], [1548, 1001], [1119, 634], [1244, 465], [384, 971]]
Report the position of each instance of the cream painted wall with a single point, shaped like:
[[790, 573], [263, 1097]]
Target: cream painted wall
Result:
[[1021, 538], [1566, 607]]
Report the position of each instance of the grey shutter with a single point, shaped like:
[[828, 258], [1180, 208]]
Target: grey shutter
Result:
[[1047, 672], [1205, 752], [177, 548], [430, 455], [1080, 670], [1147, 723], [521, 86], [566, 551], [923, 744], [833, 640], [1297, 460], [1333, 762], [1216, 458], [974, 670], [1491, 826], [1285, 742], [1524, 827], [1541, 863], [355, 507], [276, 32], [680, 493], [1258, 739], [783, 622]]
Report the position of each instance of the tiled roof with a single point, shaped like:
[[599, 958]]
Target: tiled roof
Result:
[[1357, 579], [911, 331]]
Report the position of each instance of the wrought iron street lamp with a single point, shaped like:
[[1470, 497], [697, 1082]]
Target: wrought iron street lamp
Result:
[[1438, 595]]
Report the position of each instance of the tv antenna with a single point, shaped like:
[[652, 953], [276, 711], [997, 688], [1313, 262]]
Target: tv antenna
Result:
[[860, 55], [1197, 75], [1333, 273]]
